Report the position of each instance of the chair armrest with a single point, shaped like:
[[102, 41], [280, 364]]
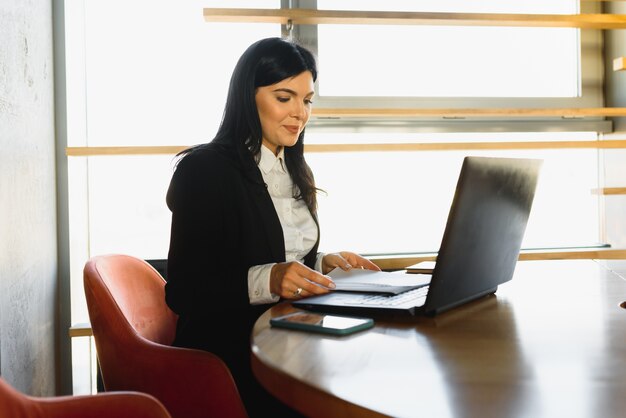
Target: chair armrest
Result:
[[189, 382]]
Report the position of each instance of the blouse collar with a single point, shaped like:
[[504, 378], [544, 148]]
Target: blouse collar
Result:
[[268, 160]]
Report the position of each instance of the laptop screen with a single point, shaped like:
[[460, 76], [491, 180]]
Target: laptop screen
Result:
[[485, 229]]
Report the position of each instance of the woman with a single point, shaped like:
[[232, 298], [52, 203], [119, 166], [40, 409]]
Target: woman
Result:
[[244, 227]]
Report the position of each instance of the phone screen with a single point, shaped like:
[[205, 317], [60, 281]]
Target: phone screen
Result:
[[329, 321], [322, 322]]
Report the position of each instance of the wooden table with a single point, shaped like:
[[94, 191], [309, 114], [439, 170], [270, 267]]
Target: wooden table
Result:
[[550, 343]]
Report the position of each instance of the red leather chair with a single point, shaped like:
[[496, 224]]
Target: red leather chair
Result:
[[134, 328], [14, 404]]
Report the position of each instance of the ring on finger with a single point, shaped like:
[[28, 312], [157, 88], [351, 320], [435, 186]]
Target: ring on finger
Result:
[[298, 291]]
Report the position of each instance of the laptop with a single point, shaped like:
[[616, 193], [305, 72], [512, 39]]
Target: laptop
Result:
[[479, 249]]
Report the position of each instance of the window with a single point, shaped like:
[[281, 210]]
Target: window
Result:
[[151, 73], [398, 202], [449, 61], [138, 73]]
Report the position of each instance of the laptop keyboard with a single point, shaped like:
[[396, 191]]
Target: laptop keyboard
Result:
[[381, 300]]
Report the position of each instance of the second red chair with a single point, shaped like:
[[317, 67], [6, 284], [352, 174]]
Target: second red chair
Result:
[[14, 404]]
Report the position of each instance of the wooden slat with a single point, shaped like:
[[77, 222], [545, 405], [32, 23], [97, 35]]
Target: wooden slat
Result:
[[619, 64], [609, 191], [470, 112], [81, 330], [138, 150], [314, 17], [462, 146], [383, 147], [399, 263]]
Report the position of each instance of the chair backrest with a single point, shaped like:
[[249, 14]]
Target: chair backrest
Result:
[[138, 290], [134, 328], [14, 404]]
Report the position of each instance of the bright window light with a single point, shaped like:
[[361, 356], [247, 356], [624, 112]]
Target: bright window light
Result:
[[398, 202], [449, 61], [157, 73]]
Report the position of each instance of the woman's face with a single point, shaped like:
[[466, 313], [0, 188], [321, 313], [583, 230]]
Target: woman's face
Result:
[[284, 109]]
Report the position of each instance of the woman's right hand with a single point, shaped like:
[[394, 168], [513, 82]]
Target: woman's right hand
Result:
[[294, 280]]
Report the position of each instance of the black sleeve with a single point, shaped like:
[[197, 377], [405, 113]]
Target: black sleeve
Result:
[[204, 272]]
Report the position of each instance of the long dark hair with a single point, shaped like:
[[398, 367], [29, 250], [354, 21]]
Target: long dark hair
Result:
[[264, 63]]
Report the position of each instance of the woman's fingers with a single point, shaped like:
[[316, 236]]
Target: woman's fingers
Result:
[[343, 263], [368, 264], [293, 280], [347, 260]]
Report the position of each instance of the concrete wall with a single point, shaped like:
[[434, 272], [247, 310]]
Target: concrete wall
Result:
[[28, 231], [614, 172]]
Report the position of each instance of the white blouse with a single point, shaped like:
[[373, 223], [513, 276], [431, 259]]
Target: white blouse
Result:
[[299, 228]]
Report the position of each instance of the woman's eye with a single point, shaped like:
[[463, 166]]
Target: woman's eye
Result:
[[308, 102], [283, 99]]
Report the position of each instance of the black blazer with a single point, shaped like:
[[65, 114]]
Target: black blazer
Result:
[[223, 222]]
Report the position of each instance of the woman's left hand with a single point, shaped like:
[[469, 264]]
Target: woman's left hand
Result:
[[346, 260]]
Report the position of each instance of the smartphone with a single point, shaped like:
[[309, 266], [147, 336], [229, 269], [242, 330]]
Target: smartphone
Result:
[[322, 323]]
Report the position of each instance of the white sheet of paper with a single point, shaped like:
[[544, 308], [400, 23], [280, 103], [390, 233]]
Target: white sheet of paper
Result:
[[362, 276]]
